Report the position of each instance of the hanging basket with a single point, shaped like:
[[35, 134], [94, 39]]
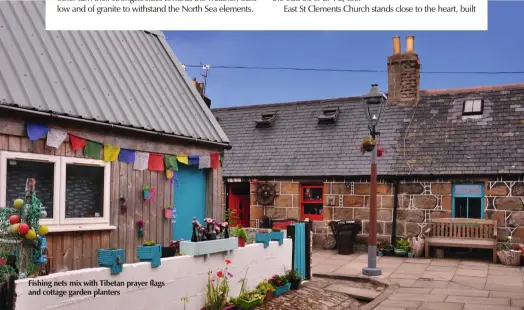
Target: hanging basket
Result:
[[381, 151], [368, 147]]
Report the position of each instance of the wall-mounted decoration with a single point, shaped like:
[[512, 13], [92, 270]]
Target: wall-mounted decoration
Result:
[[168, 212], [140, 230], [265, 193], [331, 200], [149, 193]]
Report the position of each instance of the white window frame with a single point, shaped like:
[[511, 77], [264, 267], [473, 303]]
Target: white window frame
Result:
[[472, 106], [106, 192], [59, 222], [6, 156]]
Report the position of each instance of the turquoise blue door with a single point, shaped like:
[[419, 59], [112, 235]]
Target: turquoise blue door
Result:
[[300, 249], [190, 200]]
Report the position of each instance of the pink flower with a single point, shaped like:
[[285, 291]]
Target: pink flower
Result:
[[224, 224], [229, 274]]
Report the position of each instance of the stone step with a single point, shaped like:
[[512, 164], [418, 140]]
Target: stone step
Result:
[[357, 293]]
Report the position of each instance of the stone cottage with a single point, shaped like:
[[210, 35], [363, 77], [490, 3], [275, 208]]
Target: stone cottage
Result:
[[446, 153]]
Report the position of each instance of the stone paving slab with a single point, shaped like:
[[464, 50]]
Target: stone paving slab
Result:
[[355, 292], [459, 292], [479, 300], [435, 305], [488, 307]]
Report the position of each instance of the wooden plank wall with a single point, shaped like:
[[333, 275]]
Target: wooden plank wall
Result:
[[76, 250]]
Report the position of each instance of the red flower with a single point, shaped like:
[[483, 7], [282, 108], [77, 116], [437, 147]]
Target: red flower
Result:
[[220, 274], [228, 262], [278, 281]]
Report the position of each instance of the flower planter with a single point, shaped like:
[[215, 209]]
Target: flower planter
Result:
[[168, 213], [113, 259], [389, 252], [263, 238], [248, 304], [168, 251], [231, 307], [401, 252], [277, 236], [208, 247], [368, 147], [380, 253], [241, 242], [510, 258], [295, 284], [150, 254], [269, 296], [279, 290], [410, 254]]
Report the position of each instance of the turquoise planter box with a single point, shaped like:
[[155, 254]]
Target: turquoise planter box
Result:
[[113, 259], [277, 236], [279, 290], [208, 247], [150, 254], [263, 238]]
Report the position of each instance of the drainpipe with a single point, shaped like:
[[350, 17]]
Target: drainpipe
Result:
[[395, 207]]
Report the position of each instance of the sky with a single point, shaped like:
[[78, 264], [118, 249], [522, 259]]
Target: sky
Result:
[[501, 48]]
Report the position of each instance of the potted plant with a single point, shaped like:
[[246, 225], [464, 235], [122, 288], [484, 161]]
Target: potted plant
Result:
[[172, 249], [281, 285], [150, 252], [168, 212], [112, 258], [294, 279], [367, 145], [277, 235], [510, 255], [389, 250], [380, 248], [217, 289], [249, 300], [402, 248], [266, 289], [240, 233]]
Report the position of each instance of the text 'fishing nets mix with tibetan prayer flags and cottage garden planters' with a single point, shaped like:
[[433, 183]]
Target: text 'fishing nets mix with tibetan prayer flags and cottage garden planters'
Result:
[[140, 160]]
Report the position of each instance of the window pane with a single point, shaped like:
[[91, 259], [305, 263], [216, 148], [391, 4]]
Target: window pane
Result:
[[461, 207], [84, 191], [468, 189], [18, 171], [477, 105], [312, 193], [468, 106], [313, 208], [474, 208]]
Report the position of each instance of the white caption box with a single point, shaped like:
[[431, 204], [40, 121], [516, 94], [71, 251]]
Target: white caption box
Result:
[[266, 15]]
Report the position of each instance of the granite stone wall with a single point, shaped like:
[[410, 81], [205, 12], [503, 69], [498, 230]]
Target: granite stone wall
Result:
[[418, 202]]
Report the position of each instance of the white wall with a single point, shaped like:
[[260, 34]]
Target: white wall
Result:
[[184, 276]]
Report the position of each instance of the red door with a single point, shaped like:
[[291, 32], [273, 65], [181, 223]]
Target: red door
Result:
[[239, 205]]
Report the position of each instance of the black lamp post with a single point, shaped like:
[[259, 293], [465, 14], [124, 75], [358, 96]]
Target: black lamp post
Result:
[[375, 102]]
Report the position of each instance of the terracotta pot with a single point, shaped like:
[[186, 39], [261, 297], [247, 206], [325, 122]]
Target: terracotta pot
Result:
[[241, 242]]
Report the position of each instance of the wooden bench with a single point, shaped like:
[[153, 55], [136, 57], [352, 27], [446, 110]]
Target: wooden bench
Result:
[[462, 233]]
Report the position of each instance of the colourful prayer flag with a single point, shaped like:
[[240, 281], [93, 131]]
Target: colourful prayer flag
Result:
[[111, 152], [183, 159], [36, 131], [141, 161], [193, 160], [156, 162], [76, 142], [171, 162], [55, 137], [204, 162], [214, 161], [92, 149], [126, 156]]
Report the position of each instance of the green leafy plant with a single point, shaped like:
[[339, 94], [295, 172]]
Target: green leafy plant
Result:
[[278, 280], [248, 296], [264, 287], [149, 243], [381, 245], [292, 275], [147, 187], [403, 244], [240, 232], [217, 289]]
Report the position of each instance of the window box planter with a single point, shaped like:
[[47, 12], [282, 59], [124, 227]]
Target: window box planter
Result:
[[168, 251], [279, 290], [150, 254], [263, 237], [277, 236], [208, 247], [249, 304], [113, 259]]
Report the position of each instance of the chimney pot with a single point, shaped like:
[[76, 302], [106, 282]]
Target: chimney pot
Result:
[[396, 45], [410, 44]]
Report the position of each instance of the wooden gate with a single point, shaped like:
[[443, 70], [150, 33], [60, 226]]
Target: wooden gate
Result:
[[300, 233]]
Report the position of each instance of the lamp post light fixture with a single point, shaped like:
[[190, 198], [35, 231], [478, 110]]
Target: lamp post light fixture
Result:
[[375, 102]]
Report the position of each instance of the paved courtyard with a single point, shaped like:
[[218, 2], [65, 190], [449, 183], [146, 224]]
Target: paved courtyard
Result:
[[433, 283]]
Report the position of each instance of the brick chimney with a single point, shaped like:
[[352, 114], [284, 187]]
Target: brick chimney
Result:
[[200, 88], [403, 73]]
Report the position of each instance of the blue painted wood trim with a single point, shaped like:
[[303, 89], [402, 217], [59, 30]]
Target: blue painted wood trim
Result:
[[481, 196]]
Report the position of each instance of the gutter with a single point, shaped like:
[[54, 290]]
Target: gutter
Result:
[[395, 207], [226, 146]]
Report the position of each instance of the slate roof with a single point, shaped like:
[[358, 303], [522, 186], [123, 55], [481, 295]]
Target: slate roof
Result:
[[128, 78], [430, 138]]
